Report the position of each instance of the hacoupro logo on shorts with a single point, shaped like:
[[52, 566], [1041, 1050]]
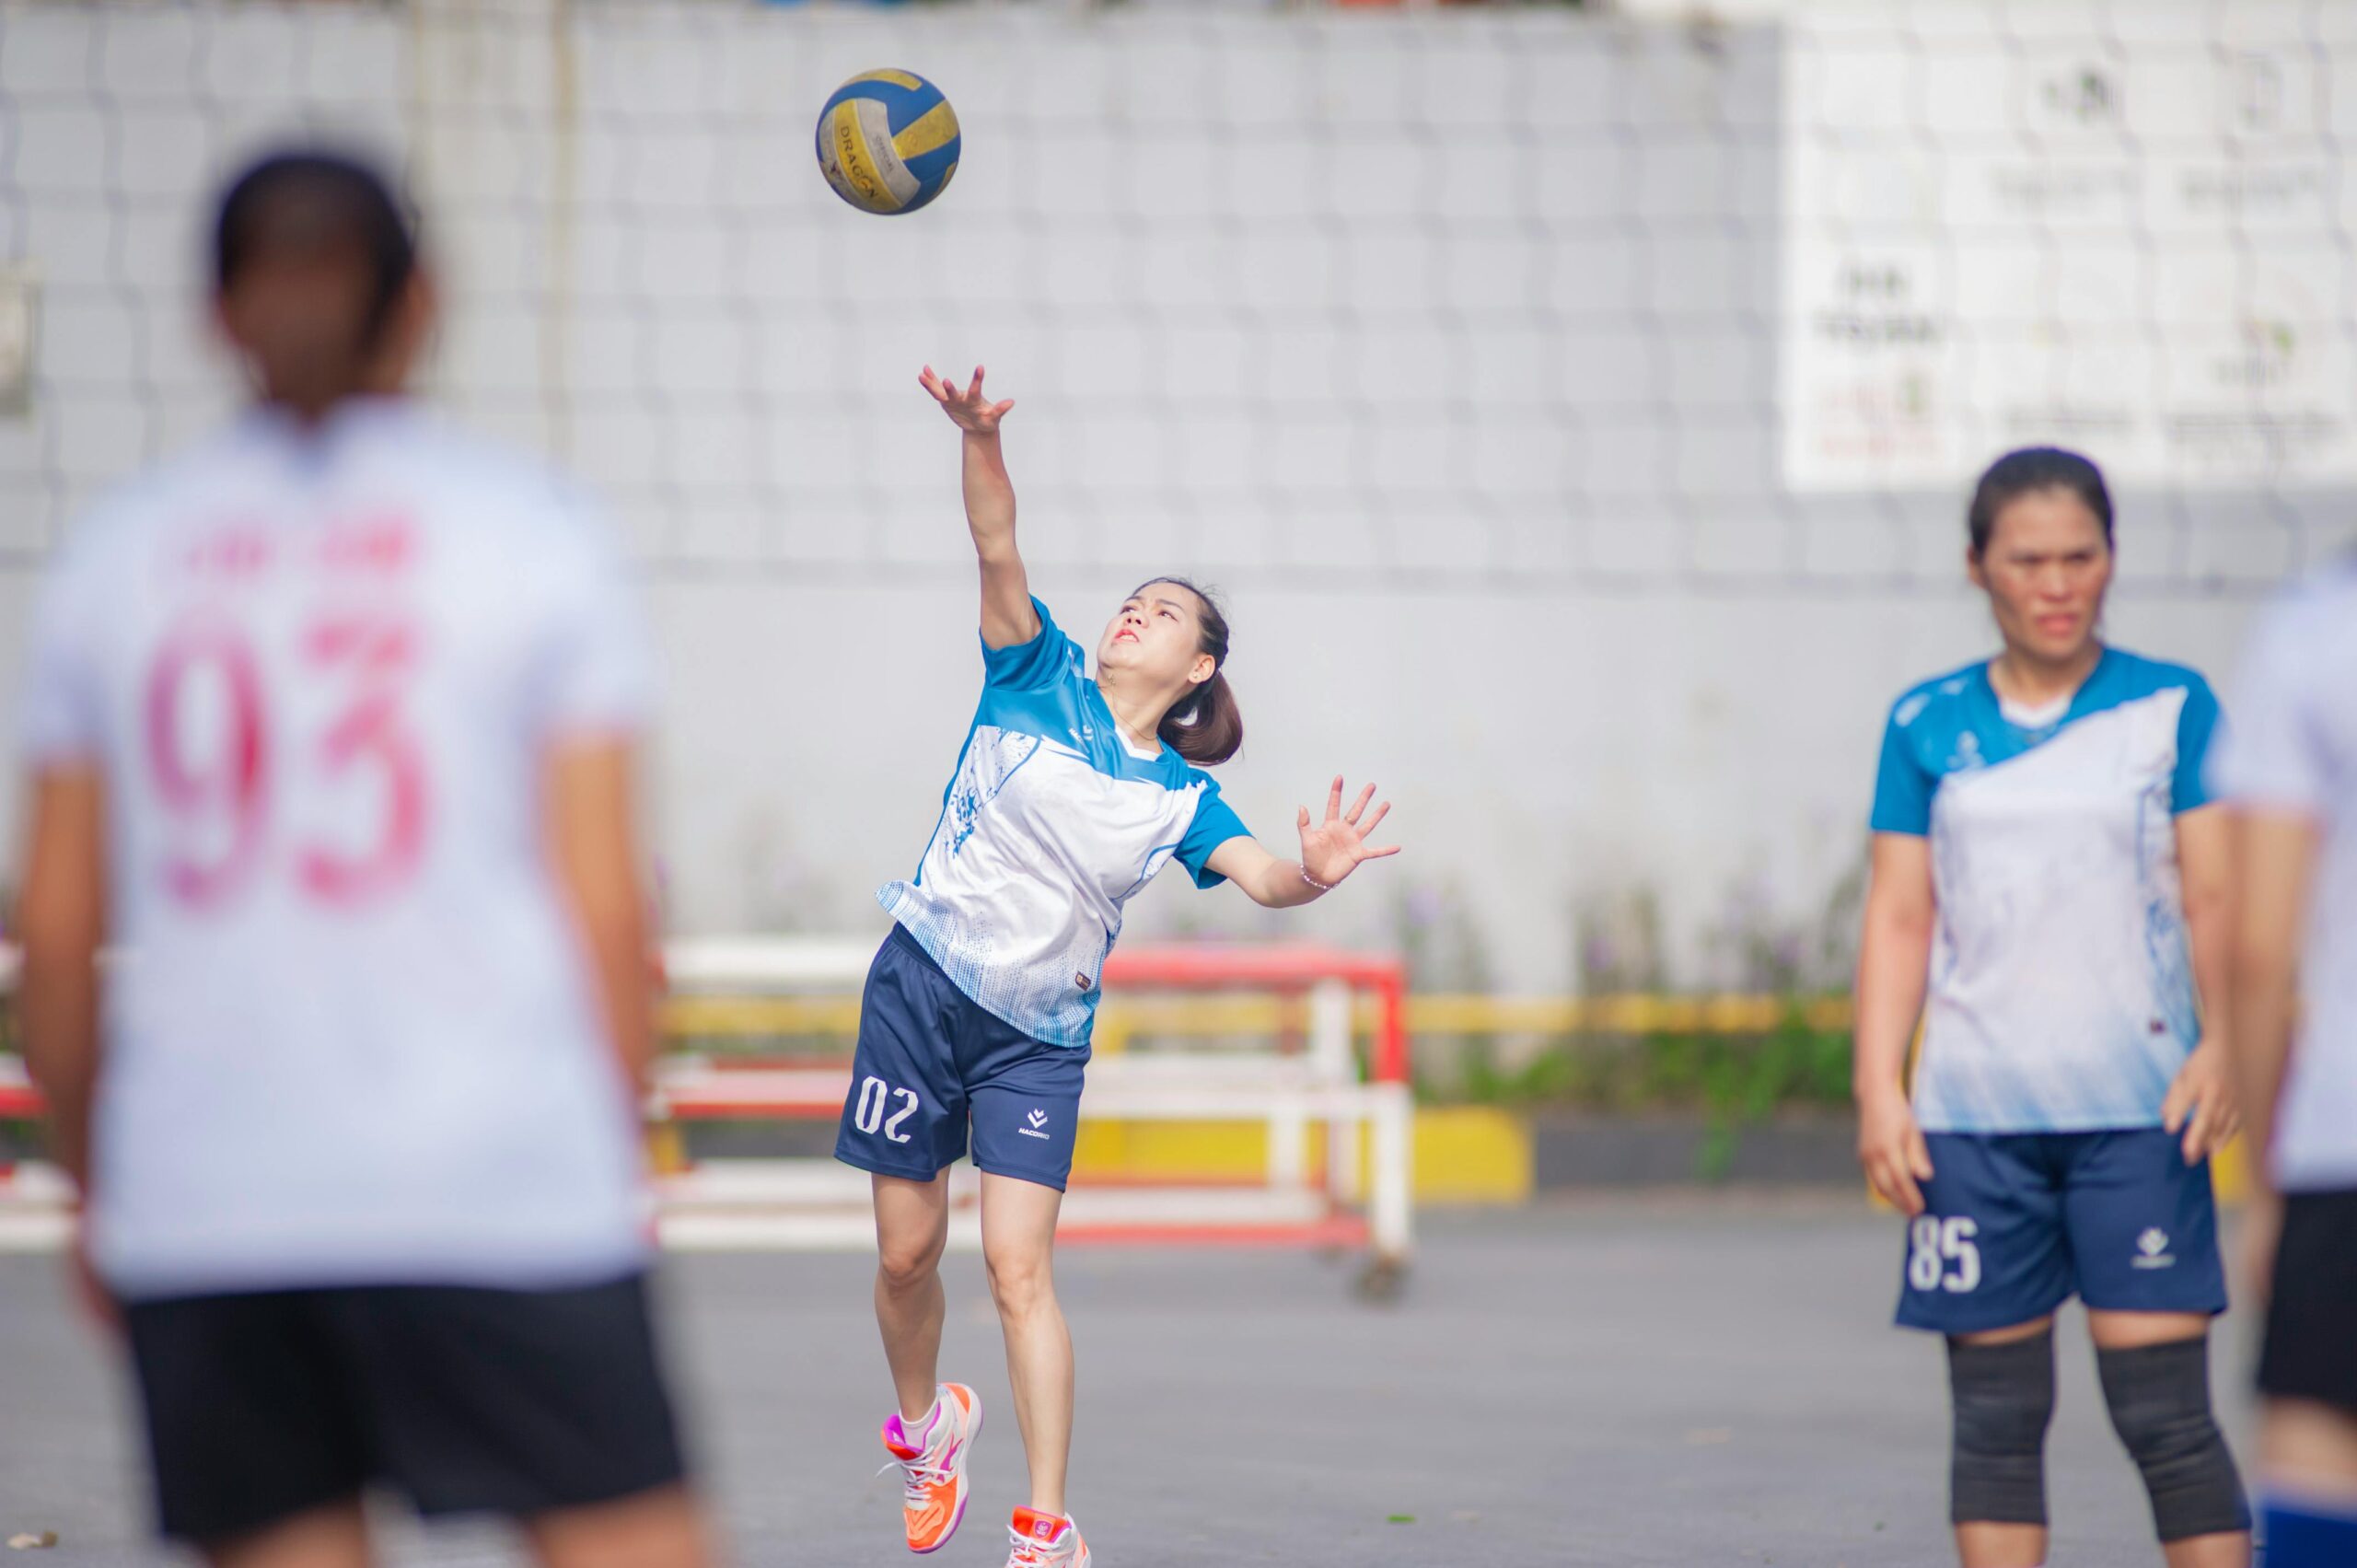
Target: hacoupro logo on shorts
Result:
[[1037, 1119]]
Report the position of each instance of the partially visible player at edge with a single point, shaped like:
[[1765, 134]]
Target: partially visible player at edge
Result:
[[2289, 770], [332, 724], [1073, 791], [2048, 866]]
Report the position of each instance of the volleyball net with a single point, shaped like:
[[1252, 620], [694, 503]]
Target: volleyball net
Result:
[[1525, 298]]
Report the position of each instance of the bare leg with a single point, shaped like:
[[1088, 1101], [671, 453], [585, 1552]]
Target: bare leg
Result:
[[2310, 1449], [1983, 1544], [2134, 1330], [334, 1536], [911, 1227], [1018, 1244], [662, 1528]]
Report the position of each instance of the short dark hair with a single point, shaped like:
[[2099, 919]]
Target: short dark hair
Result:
[[2030, 469], [309, 200]]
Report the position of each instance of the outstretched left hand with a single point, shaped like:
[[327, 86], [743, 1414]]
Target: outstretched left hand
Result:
[[1333, 849]]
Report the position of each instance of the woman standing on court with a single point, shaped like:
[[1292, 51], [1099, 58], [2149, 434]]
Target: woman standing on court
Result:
[[332, 725], [2046, 896], [1073, 790]]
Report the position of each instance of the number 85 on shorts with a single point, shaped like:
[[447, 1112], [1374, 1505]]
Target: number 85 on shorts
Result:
[[2017, 1224], [1941, 1254]]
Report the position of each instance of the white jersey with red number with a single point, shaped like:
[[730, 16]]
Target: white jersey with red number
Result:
[[351, 1035]]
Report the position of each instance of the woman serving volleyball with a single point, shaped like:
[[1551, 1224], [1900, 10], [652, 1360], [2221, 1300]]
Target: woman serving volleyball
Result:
[[1074, 789]]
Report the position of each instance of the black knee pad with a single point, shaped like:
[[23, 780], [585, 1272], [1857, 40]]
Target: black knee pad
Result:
[[2003, 1396], [2159, 1397]]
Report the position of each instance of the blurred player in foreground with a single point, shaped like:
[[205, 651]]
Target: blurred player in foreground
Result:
[[2289, 766], [1072, 792], [2048, 865], [332, 724]]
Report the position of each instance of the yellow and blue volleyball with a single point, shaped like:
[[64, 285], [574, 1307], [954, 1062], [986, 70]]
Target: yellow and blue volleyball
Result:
[[888, 142]]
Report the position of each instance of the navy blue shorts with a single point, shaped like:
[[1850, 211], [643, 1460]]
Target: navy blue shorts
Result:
[[931, 1059], [2015, 1224]]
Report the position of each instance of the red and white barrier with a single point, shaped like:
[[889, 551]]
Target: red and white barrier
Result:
[[818, 1204], [723, 1203]]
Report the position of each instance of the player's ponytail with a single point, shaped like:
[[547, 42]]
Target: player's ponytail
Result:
[[1205, 727], [1208, 727]]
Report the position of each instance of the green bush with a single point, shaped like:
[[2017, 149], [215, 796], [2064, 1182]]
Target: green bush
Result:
[[1734, 1081]]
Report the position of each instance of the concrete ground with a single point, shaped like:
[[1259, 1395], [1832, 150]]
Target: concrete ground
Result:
[[1670, 1380]]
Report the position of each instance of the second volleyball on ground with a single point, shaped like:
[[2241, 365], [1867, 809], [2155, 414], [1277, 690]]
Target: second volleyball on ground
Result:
[[888, 142]]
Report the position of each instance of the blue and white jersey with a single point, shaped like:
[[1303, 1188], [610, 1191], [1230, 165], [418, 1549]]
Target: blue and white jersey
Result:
[[2061, 986], [1051, 823]]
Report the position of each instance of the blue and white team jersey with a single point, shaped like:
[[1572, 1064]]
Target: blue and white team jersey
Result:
[[1053, 820], [2293, 749], [2061, 986]]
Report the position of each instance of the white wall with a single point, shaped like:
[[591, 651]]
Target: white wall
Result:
[[1445, 341]]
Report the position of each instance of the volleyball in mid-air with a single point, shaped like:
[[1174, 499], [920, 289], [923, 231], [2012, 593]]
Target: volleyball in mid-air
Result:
[[888, 142]]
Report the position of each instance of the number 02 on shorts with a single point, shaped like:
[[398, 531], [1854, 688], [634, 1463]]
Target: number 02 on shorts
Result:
[[875, 1096]]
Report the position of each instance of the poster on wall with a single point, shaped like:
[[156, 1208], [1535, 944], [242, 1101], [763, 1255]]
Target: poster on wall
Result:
[[2125, 228]]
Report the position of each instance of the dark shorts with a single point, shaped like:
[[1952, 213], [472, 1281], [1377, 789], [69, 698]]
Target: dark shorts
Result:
[[262, 1406], [2015, 1224], [930, 1060], [2311, 1349]]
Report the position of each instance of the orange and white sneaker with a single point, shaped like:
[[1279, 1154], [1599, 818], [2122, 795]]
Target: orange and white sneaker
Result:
[[933, 1461], [1045, 1541]]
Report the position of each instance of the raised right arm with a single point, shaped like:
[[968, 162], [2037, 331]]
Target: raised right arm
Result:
[[1008, 618]]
